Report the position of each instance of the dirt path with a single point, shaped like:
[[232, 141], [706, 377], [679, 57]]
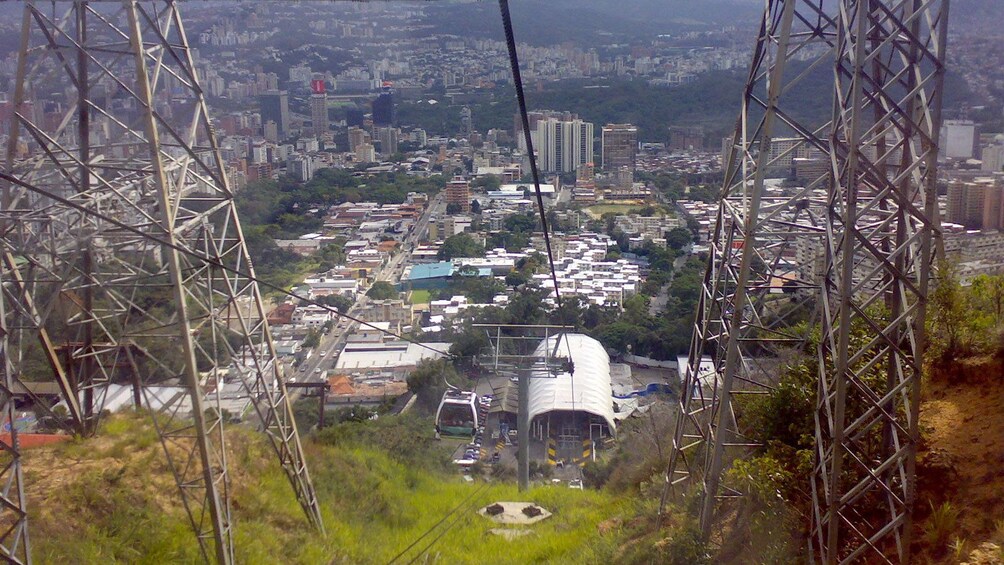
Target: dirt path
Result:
[[962, 455]]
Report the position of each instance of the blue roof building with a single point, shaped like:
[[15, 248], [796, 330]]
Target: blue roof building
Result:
[[435, 275], [427, 276]]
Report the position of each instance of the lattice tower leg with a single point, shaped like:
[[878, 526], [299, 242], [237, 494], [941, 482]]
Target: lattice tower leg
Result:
[[883, 225], [168, 270], [741, 323], [14, 546]]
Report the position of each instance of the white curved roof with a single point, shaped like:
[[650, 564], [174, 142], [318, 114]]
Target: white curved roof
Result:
[[590, 381]]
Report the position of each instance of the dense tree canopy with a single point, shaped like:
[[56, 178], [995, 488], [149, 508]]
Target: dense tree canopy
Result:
[[461, 245]]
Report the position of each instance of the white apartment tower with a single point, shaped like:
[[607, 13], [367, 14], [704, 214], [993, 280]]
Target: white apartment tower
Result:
[[563, 145]]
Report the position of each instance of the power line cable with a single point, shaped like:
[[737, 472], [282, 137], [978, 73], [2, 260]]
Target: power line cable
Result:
[[209, 260]]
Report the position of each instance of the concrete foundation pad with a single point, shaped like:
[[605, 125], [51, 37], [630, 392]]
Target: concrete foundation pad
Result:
[[512, 513]]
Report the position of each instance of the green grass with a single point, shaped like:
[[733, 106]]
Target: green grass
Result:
[[598, 210], [420, 296], [380, 486]]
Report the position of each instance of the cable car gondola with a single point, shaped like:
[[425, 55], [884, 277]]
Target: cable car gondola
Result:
[[457, 415]]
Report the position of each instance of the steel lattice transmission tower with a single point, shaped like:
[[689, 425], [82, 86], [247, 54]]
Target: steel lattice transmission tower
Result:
[[14, 547], [883, 219], [743, 323], [123, 257], [878, 233]]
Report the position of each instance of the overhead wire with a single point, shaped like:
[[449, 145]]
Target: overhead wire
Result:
[[212, 261]]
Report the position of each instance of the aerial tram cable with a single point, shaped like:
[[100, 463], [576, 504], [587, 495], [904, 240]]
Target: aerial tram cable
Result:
[[437, 524], [521, 100], [525, 120]]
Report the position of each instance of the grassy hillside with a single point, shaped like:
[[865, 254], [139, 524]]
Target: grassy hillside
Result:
[[381, 485]]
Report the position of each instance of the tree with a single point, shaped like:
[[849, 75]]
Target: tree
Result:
[[467, 345], [460, 245], [475, 207], [476, 288], [453, 208], [678, 238], [312, 340], [487, 182], [520, 223], [337, 301], [429, 380], [948, 313], [516, 278], [330, 256], [382, 290]]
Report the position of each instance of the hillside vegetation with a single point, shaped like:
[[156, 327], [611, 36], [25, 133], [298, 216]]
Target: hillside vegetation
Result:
[[381, 485]]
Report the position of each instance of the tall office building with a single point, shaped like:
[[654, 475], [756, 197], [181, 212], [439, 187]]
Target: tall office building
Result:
[[618, 146], [388, 140], [355, 117], [466, 122], [274, 106], [318, 106], [563, 145], [383, 108]]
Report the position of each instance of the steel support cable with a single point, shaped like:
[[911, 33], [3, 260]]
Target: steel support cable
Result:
[[446, 530], [446, 517], [525, 120], [521, 100], [213, 262]]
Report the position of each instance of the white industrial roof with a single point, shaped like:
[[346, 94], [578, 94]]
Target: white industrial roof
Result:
[[403, 354], [590, 380]]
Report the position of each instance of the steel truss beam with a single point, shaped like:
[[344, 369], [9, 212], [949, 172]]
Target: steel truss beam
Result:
[[883, 218], [765, 236], [124, 260]]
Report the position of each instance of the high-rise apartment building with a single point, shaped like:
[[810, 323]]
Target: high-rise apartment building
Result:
[[357, 137], [563, 145], [618, 146], [365, 153], [318, 106], [535, 116], [383, 108], [682, 138], [458, 191], [975, 205], [274, 106], [992, 210], [993, 156]]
